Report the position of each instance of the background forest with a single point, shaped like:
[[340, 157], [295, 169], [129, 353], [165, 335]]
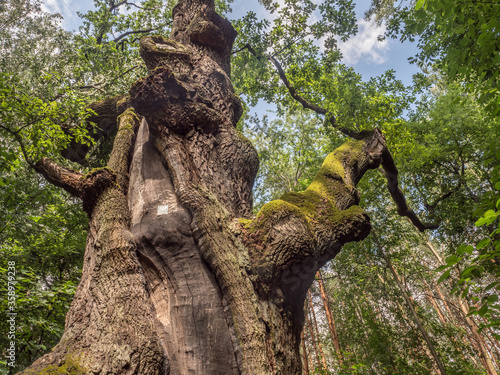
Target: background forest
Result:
[[399, 302]]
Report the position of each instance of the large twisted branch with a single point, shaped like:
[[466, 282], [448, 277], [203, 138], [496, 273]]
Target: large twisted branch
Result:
[[388, 165]]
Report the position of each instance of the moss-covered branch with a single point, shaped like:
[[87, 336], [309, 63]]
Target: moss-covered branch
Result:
[[293, 236], [390, 169]]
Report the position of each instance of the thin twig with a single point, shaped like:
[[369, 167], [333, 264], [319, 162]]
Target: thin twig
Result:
[[91, 87], [118, 38], [19, 140]]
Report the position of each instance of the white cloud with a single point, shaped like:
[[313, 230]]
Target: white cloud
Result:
[[51, 6], [365, 46], [66, 8]]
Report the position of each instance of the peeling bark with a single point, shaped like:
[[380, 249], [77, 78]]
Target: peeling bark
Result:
[[329, 317]]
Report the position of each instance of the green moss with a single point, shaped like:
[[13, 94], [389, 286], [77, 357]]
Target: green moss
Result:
[[335, 217], [307, 201], [123, 103], [278, 206], [127, 119], [242, 137], [95, 171], [318, 203], [331, 166], [71, 366], [245, 223]]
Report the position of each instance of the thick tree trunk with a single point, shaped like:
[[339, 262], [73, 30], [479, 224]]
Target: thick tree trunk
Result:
[[110, 327], [179, 277]]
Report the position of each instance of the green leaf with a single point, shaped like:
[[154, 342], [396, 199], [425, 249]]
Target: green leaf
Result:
[[452, 260], [467, 271], [477, 271], [489, 213], [483, 310], [441, 268], [455, 289], [461, 249], [492, 285], [488, 218], [483, 243], [469, 249], [492, 299], [444, 276], [419, 4], [466, 291]]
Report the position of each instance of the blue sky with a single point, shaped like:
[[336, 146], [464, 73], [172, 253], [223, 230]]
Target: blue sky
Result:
[[363, 52]]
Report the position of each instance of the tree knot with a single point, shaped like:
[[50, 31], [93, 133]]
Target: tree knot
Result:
[[158, 51], [174, 101], [93, 185], [375, 145]]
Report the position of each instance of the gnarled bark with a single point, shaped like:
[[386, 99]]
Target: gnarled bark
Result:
[[110, 326], [179, 277]]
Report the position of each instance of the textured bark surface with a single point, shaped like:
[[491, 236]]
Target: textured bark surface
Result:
[[185, 295], [110, 327], [179, 277]]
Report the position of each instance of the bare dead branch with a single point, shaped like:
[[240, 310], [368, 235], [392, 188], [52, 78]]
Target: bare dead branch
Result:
[[306, 104], [120, 37], [95, 85], [391, 174], [114, 6], [125, 2], [296, 96], [91, 87], [250, 49], [432, 206]]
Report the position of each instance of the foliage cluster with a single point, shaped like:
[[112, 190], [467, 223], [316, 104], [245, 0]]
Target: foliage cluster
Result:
[[458, 38]]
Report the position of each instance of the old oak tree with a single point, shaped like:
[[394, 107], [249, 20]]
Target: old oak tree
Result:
[[179, 276]]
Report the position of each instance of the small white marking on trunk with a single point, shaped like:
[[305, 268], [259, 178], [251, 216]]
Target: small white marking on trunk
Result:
[[162, 210]]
